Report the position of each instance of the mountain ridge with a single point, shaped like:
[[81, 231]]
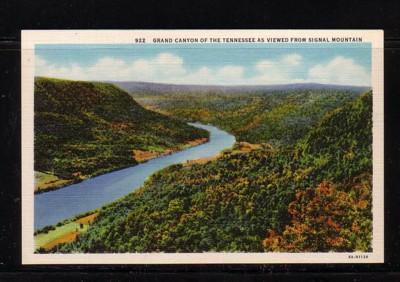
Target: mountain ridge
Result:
[[84, 129], [141, 86]]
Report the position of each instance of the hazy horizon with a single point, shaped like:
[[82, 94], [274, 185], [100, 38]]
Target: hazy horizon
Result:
[[207, 85]]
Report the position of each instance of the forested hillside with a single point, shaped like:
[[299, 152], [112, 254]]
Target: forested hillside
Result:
[[314, 195], [87, 128], [279, 117]]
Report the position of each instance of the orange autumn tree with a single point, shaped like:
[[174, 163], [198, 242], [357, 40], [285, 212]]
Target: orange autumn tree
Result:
[[326, 219]]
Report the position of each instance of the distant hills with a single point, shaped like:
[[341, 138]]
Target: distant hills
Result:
[[272, 116], [133, 86]]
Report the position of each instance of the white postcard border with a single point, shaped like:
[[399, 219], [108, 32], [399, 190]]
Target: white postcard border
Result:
[[29, 38]]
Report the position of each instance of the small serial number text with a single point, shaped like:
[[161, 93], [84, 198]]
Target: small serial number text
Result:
[[358, 256]]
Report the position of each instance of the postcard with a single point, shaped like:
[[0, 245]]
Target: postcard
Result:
[[202, 146]]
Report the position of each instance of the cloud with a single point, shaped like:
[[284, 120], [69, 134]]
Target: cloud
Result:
[[340, 70], [161, 67], [170, 68], [286, 69], [292, 59]]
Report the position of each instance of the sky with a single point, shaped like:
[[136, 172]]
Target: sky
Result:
[[210, 64]]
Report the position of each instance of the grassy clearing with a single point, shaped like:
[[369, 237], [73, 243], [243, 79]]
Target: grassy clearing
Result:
[[68, 237], [47, 181], [64, 233]]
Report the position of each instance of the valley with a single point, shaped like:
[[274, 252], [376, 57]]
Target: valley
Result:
[[292, 173]]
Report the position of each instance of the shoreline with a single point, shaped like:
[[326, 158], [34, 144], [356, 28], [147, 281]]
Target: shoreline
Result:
[[169, 151], [169, 155]]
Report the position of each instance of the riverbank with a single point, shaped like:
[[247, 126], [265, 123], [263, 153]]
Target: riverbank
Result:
[[142, 156], [239, 147], [46, 182], [55, 206]]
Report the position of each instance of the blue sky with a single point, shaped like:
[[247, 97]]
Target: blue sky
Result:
[[224, 64]]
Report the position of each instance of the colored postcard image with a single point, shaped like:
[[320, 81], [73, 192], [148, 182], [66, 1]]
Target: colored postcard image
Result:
[[191, 148]]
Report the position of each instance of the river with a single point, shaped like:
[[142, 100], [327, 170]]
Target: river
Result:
[[55, 206]]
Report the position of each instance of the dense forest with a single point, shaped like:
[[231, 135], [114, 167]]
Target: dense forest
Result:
[[87, 128], [313, 194], [279, 117]]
